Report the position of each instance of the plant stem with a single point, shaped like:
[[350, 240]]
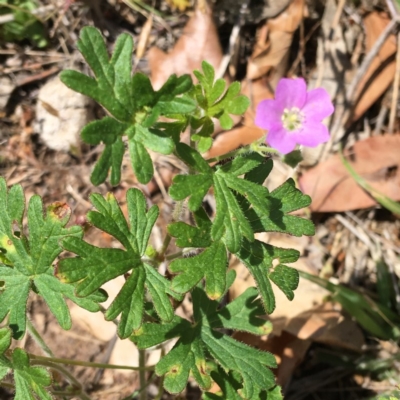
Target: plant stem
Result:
[[160, 389], [66, 361], [255, 147], [46, 349], [38, 339], [142, 373], [81, 394], [164, 247], [179, 253]]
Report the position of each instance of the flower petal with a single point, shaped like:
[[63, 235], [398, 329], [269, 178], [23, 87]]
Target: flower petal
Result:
[[268, 114], [312, 134], [318, 105], [291, 93], [281, 140]]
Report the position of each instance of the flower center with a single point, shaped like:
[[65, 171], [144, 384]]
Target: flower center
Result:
[[292, 119]]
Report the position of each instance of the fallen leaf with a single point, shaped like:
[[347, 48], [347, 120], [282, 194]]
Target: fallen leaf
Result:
[[274, 38], [199, 41], [326, 324], [144, 38], [376, 159], [380, 74]]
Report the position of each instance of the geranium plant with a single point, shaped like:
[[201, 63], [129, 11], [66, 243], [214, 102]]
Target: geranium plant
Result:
[[143, 309]]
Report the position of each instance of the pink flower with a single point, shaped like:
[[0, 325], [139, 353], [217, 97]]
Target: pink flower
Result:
[[295, 116]]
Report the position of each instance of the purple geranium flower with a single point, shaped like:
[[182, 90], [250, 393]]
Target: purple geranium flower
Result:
[[295, 116]]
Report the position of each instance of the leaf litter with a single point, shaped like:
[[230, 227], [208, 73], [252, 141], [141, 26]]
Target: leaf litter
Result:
[[276, 38]]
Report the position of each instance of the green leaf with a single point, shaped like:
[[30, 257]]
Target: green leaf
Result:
[[25, 25], [110, 159], [106, 130], [230, 223], [95, 266], [111, 86], [131, 101], [193, 186], [202, 344], [5, 340], [258, 258], [27, 261], [30, 382], [191, 236], [228, 384], [141, 162], [283, 200], [216, 102], [211, 264], [293, 158]]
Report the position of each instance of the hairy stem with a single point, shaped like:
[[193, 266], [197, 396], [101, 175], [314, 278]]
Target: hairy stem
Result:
[[254, 147], [46, 350], [35, 335], [164, 247], [87, 363], [142, 373], [179, 253]]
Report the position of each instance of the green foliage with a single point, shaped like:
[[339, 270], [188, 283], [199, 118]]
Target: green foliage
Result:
[[375, 318], [243, 205], [243, 208], [95, 266], [215, 101], [202, 345], [258, 258], [210, 264], [131, 101], [29, 381], [26, 261], [144, 307], [25, 25]]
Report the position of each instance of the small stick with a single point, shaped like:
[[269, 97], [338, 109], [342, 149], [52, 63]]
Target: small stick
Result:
[[392, 8], [345, 112], [38, 12], [395, 97]]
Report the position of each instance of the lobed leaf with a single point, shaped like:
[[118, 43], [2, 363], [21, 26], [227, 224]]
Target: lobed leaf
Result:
[[30, 382], [131, 101], [202, 344], [216, 102], [258, 258], [95, 266], [27, 261]]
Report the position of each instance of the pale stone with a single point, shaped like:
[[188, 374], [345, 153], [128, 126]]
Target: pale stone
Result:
[[61, 114]]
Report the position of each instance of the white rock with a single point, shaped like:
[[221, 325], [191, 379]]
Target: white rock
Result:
[[61, 114], [6, 88]]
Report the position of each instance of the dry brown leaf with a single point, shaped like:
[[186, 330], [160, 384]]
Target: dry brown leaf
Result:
[[332, 189], [380, 73], [144, 38], [199, 41], [327, 325], [274, 39]]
